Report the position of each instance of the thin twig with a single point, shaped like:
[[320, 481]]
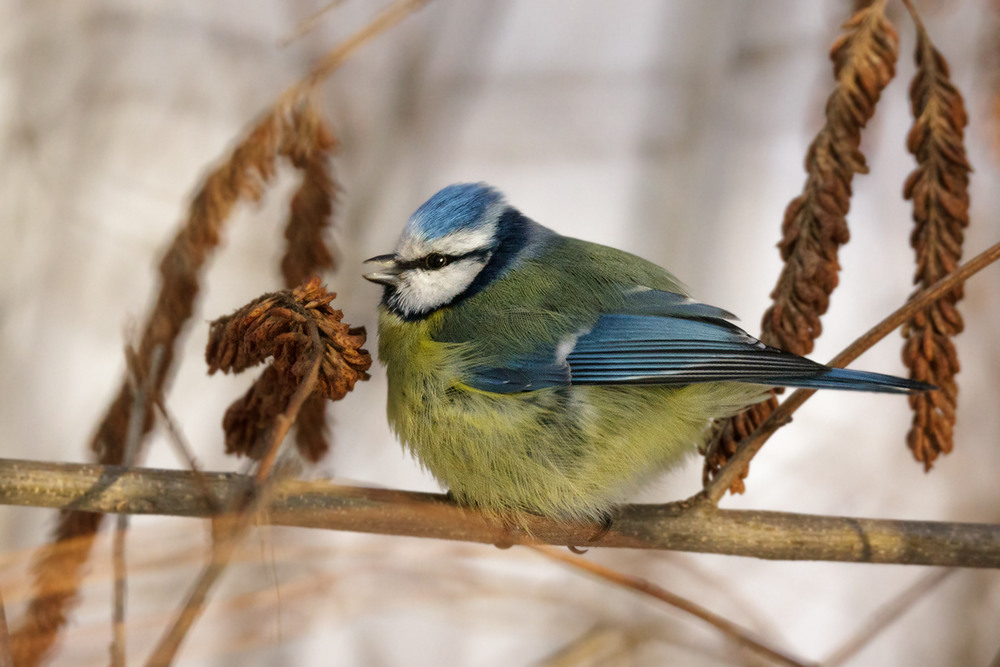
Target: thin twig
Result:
[[120, 591], [309, 23], [6, 654], [388, 18], [283, 422], [699, 527], [181, 447], [886, 615], [267, 541], [736, 633], [142, 390], [244, 508], [194, 603], [782, 415], [597, 646]]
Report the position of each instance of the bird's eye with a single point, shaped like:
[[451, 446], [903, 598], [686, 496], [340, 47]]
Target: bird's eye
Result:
[[435, 260]]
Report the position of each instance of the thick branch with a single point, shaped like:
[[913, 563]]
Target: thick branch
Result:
[[692, 527]]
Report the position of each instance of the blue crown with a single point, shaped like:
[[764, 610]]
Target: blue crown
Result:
[[458, 206]]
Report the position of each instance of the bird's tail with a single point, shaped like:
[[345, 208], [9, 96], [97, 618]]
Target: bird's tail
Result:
[[842, 378]]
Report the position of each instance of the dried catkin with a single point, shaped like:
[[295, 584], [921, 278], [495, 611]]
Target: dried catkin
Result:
[[275, 327], [939, 190], [815, 223]]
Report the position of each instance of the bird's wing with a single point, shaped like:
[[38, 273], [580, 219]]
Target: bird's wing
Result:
[[649, 349], [664, 338]]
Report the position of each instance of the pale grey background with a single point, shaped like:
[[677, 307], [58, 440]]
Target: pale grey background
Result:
[[675, 130]]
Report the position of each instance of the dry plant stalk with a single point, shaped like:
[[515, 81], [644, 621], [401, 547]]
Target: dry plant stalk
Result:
[[815, 223], [57, 571], [311, 208], [6, 657], [991, 58], [244, 176], [275, 326], [731, 630], [939, 189], [307, 253], [312, 354], [886, 615], [229, 528]]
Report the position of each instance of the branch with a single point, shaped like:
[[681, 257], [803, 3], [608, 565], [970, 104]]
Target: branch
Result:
[[696, 527]]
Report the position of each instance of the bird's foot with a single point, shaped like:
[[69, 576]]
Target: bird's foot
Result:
[[601, 529]]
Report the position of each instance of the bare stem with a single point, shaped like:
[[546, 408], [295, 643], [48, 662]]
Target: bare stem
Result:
[[783, 413], [695, 527], [886, 616], [336, 57], [6, 655], [143, 389], [184, 450], [309, 23], [232, 527], [284, 421], [645, 587]]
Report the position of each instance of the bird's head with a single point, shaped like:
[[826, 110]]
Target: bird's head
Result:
[[455, 244]]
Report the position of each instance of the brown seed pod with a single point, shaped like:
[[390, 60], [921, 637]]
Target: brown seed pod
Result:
[[938, 188], [277, 326], [815, 223]]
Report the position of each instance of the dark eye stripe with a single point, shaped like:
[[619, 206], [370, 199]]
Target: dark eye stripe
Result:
[[419, 263]]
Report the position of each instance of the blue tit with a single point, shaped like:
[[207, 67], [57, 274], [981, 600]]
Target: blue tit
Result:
[[534, 373]]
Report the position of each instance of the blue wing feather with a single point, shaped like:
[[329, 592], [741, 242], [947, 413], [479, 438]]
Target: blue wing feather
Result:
[[663, 338]]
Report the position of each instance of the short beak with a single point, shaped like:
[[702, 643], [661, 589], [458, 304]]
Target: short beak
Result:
[[384, 270]]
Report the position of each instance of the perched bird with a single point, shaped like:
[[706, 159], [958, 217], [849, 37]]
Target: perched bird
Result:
[[530, 372]]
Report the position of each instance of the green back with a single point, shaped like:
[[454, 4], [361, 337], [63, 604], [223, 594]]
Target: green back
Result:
[[558, 292]]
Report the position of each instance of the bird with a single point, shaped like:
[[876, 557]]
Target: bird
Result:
[[536, 374]]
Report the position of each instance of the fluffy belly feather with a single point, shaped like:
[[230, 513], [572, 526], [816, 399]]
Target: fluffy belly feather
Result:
[[571, 452]]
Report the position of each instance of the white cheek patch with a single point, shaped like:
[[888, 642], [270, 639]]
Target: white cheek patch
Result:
[[423, 290]]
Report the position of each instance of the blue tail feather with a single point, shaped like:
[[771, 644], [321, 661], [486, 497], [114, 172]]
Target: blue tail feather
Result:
[[843, 378]]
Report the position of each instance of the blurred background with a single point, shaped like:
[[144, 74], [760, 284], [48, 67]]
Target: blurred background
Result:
[[672, 129]]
